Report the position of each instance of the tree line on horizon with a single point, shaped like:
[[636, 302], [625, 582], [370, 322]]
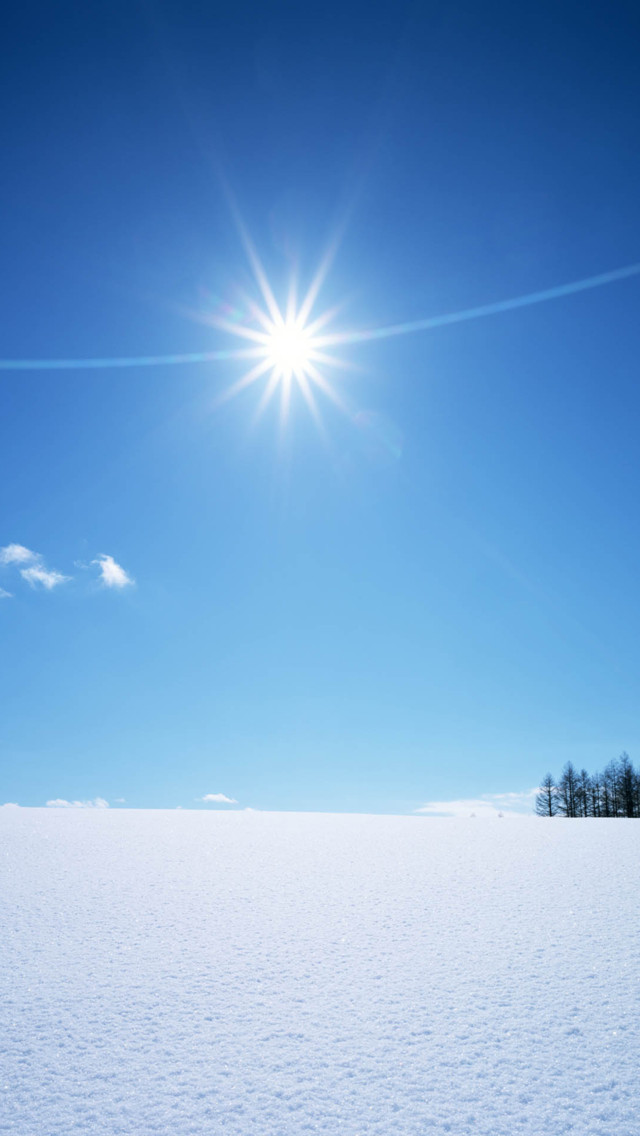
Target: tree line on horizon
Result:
[[576, 793]]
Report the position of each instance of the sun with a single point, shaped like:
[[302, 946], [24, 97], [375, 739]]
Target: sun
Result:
[[285, 345], [289, 349]]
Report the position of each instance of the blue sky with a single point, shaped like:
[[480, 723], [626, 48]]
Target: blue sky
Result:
[[434, 598]]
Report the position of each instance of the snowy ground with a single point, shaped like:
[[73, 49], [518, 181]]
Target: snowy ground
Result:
[[276, 974]]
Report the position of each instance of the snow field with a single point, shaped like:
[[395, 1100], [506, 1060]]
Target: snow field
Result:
[[279, 974]]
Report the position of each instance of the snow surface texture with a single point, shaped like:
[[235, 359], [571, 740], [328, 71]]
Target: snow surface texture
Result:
[[276, 974]]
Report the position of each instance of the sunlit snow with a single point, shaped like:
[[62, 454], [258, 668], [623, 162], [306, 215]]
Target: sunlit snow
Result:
[[276, 974]]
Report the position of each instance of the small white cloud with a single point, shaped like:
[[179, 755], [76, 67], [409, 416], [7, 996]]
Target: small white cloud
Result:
[[35, 574], [60, 803], [512, 800], [41, 575], [218, 799], [488, 805], [10, 805], [119, 800], [16, 554], [112, 574]]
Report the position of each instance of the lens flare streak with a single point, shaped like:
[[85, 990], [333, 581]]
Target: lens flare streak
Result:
[[483, 310], [278, 330], [284, 341]]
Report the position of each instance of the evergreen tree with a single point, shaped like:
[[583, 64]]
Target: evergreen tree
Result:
[[546, 802], [583, 794], [612, 787], [614, 793], [596, 795], [626, 783], [567, 791]]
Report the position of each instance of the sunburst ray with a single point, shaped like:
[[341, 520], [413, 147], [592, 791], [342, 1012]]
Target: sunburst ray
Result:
[[288, 349]]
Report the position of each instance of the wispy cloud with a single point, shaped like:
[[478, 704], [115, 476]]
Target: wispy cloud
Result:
[[10, 805], [16, 554], [34, 571], [488, 805], [38, 574], [217, 799], [112, 574], [60, 803]]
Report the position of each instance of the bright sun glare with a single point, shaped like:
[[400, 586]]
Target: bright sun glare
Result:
[[289, 349], [284, 345]]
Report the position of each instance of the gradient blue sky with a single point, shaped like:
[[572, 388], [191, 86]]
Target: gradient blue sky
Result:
[[439, 598]]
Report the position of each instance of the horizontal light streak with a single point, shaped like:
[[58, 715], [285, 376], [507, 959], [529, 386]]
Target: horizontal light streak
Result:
[[352, 337]]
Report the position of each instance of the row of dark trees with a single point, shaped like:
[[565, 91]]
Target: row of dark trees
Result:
[[614, 793]]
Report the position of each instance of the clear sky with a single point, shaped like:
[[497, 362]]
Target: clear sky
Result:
[[434, 596]]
